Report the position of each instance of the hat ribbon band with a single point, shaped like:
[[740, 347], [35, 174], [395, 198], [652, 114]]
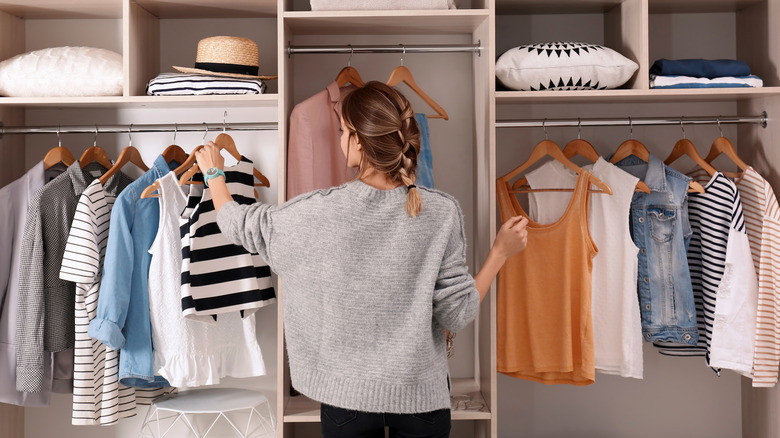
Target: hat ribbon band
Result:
[[228, 68]]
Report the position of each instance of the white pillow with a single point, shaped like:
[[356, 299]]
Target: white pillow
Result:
[[563, 66], [62, 72]]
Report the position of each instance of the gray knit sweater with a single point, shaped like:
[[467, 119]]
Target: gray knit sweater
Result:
[[368, 291]]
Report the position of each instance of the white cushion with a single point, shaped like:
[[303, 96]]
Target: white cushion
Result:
[[563, 66], [62, 72]]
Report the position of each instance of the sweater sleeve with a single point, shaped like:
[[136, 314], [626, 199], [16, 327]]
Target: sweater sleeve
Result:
[[248, 226], [455, 296]]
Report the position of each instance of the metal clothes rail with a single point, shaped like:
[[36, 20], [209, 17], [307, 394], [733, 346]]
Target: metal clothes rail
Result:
[[760, 119], [390, 48], [138, 128]]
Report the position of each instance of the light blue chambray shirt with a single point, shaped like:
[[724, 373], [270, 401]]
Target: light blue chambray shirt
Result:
[[123, 321]]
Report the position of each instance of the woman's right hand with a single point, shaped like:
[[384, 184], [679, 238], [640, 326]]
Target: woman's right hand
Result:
[[209, 157], [512, 237]]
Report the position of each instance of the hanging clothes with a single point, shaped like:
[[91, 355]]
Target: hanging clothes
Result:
[[425, 156], [762, 222], [545, 328], [98, 398], [45, 320], [189, 353], [217, 276], [314, 156], [122, 320], [659, 227], [15, 198], [617, 326], [719, 243]]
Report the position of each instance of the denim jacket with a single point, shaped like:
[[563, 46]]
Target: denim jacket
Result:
[[660, 229], [122, 320]]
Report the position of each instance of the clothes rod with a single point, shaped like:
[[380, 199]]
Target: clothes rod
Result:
[[391, 48], [139, 128], [760, 119]]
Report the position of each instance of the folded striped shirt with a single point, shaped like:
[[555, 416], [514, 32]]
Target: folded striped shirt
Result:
[[657, 81], [180, 84]]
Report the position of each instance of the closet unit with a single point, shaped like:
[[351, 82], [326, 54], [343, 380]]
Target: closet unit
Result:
[[678, 396], [459, 82]]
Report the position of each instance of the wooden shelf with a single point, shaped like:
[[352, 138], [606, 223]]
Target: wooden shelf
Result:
[[515, 7], [665, 95], [700, 6], [300, 409], [40, 9], [385, 22], [256, 100], [209, 8]]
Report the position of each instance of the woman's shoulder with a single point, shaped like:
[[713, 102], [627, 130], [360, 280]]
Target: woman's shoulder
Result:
[[439, 201]]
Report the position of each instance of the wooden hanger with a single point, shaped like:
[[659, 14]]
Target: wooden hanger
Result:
[[584, 148], [402, 74], [636, 148], [722, 145], [223, 141], [58, 155], [686, 147], [542, 149], [95, 154], [349, 74], [174, 153], [129, 155]]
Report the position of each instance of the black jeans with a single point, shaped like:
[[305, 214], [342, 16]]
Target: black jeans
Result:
[[346, 423]]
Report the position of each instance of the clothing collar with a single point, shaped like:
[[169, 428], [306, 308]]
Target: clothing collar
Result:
[[370, 194], [81, 178], [336, 95], [655, 176], [161, 167]]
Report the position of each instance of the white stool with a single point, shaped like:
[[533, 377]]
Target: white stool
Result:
[[183, 407]]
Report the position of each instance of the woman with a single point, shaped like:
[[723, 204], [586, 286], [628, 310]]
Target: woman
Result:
[[374, 271]]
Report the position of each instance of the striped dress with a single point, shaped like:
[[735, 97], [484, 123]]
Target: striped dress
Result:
[[98, 397], [216, 275], [762, 220], [713, 216]]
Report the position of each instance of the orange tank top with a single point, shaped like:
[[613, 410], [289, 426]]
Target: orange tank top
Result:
[[545, 327]]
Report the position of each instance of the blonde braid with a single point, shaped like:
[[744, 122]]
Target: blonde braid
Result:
[[408, 176]]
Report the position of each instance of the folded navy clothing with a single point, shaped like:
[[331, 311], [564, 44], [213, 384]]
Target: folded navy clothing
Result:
[[700, 68]]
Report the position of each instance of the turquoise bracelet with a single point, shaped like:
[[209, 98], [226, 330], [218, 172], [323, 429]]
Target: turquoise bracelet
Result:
[[212, 173]]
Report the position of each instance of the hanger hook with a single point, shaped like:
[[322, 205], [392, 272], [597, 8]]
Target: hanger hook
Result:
[[224, 122], [682, 127], [205, 133], [719, 127], [130, 135], [94, 144], [59, 140], [544, 126], [631, 127], [351, 52], [579, 129], [403, 52], [175, 131]]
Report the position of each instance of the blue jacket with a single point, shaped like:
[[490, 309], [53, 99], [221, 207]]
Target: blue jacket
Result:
[[660, 228], [122, 320]]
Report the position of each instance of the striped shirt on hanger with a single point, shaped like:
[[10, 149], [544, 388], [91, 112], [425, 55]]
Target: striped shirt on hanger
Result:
[[98, 397], [216, 275], [762, 221]]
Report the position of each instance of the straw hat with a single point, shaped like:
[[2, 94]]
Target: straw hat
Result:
[[227, 56]]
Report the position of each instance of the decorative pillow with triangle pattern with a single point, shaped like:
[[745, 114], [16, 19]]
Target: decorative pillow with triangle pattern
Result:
[[563, 66]]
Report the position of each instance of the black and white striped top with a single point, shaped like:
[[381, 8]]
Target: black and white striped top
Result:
[[98, 397], [216, 275], [711, 215], [180, 84]]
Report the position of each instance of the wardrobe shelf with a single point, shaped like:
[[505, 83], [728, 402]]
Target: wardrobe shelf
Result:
[[255, 100], [210, 9], [46, 9], [620, 95], [701, 6], [385, 22], [518, 7], [301, 409]]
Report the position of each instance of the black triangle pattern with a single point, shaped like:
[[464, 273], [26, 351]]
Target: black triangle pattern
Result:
[[560, 47], [567, 84]]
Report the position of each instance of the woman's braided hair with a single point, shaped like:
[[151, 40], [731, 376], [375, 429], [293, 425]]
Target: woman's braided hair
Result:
[[383, 121]]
